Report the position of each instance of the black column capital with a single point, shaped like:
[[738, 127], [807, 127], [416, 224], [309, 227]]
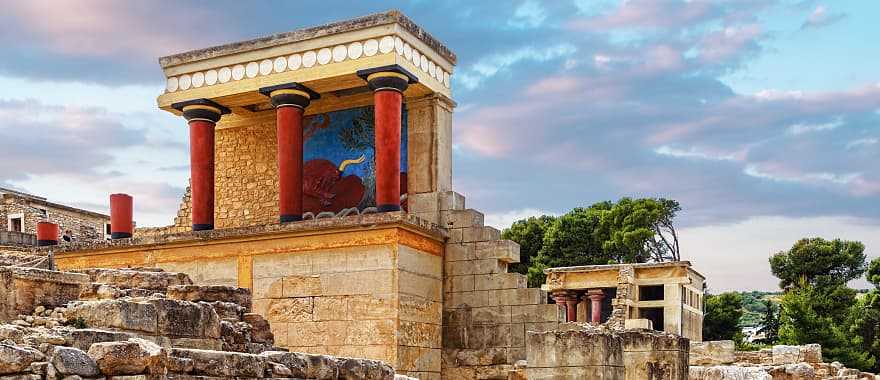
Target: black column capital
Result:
[[291, 94], [201, 109], [391, 77]]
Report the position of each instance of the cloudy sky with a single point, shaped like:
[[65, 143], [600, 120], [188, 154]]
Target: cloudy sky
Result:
[[762, 117]]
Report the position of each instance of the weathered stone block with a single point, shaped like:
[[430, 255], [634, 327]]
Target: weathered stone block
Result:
[[423, 202], [329, 308], [305, 366], [15, 359], [186, 319], [211, 293], [417, 309], [84, 338], [719, 352], [450, 200], [223, 364], [460, 252], [467, 299], [418, 359], [525, 296], [477, 234], [783, 354], [127, 358], [366, 282], [534, 313], [575, 348], [491, 314], [500, 281], [452, 219], [71, 361], [504, 250], [301, 286], [269, 287], [419, 334], [486, 266], [419, 285], [120, 314]]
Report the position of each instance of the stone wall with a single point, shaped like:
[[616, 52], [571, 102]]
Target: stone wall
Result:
[[654, 355], [380, 302], [486, 311], [83, 225], [24, 289], [575, 354], [246, 176]]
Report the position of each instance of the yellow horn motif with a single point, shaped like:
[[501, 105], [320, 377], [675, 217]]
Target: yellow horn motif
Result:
[[349, 162]]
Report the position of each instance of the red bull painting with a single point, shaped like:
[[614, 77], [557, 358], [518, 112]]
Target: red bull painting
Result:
[[339, 153]]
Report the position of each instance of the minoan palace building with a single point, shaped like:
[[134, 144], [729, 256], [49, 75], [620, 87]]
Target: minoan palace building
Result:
[[322, 180]]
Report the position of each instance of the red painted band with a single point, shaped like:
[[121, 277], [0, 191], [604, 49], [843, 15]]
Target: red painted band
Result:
[[290, 160], [388, 120], [121, 213], [201, 158]]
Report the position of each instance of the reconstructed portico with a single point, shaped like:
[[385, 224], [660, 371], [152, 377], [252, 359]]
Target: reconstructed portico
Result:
[[669, 295], [382, 60]]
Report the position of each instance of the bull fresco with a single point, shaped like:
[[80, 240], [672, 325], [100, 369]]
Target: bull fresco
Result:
[[339, 154]]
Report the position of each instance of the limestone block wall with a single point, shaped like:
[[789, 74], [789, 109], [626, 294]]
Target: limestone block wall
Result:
[[380, 302], [655, 355], [576, 354], [486, 311]]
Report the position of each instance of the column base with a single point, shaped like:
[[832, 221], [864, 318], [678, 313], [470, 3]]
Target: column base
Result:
[[202, 227], [388, 208], [290, 218], [120, 235], [45, 243]]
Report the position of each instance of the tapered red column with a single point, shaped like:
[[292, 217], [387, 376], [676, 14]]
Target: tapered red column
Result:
[[47, 234], [388, 84], [569, 300], [290, 101], [121, 206], [596, 296], [202, 115]]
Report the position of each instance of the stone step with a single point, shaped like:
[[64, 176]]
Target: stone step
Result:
[[453, 219], [504, 250]]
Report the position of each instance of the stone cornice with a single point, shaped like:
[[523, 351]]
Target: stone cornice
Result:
[[390, 17]]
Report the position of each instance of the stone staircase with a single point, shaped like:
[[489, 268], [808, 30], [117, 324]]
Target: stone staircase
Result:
[[487, 311]]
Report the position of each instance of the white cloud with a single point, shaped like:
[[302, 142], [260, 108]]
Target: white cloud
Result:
[[696, 153], [862, 142], [490, 66], [756, 171], [799, 129], [529, 14], [504, 219], [735, 256]]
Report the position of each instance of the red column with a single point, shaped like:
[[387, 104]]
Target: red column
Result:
[[202, 115], [568, 300], [596, 296], [290, 101], [121, 216], [47, 234], [388, 84]]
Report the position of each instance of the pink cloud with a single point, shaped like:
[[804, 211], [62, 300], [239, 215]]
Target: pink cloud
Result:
[[647, 14], [104, 27], [555, 85], [719, 46]]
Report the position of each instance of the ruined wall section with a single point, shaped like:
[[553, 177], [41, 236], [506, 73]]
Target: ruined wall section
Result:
[[81, 224], [486, 311]]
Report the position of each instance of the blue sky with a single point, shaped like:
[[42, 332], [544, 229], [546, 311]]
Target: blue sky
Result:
[[762, 117]]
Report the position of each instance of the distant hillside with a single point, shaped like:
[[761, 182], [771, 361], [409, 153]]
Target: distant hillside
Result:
[[754, 308]]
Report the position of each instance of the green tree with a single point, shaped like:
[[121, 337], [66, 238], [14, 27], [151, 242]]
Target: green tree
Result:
[[801, 323], [572, 239], [529, 234], [819, 262], [639, 230], [721, 318], [865, 322], [770, 324]]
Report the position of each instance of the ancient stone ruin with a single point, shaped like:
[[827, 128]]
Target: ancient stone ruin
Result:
[[148, 323]]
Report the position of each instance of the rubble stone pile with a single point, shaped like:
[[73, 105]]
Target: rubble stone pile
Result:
[[145, 323], [718, 360]]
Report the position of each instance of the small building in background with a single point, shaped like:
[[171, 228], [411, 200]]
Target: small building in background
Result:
[[669, 295], [20, 212]]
